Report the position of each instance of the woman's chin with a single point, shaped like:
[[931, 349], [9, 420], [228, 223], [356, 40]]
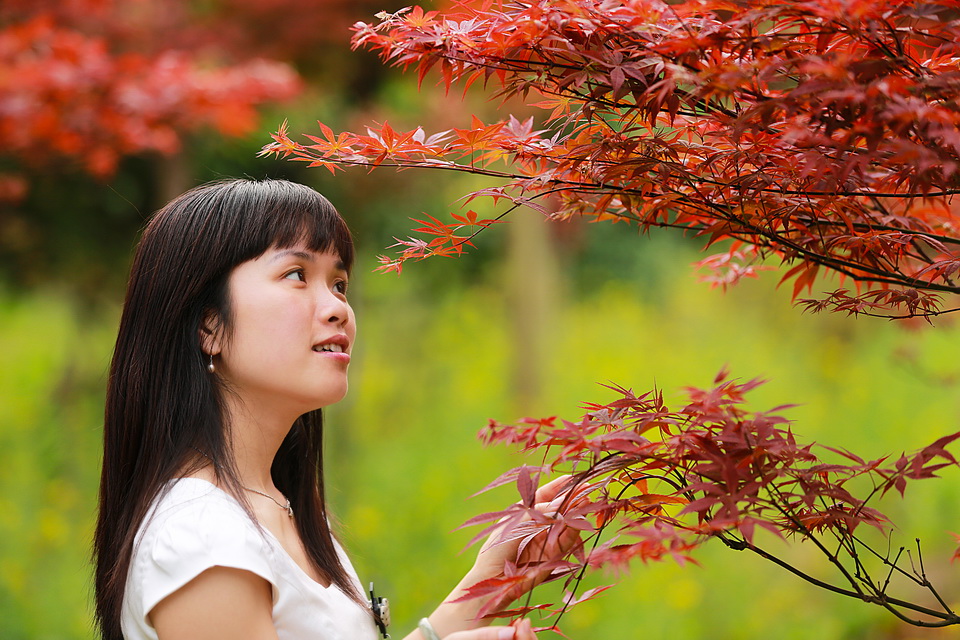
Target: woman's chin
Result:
[[329, 397]]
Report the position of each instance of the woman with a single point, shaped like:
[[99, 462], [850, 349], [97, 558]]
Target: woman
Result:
[[235, 331]]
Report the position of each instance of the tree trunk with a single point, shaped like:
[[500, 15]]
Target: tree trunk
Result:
[[532, 273]]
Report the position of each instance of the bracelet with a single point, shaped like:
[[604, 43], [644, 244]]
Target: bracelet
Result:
[[429, 633]]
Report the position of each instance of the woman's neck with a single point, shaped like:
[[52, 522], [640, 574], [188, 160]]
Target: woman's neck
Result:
[[255, 438]]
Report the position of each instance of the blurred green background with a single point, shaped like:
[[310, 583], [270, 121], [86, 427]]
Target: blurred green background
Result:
[[527, 324]]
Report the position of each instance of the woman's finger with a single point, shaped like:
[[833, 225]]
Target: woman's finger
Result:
[[524, 631], [520, 632], [552, 489]]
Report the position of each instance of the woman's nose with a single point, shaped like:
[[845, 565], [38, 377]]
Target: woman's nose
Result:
[[335, 310]]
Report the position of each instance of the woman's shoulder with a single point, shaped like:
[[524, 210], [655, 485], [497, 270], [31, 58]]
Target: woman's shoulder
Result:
[[193, 503], [192, 526], [194, 521], [192, 493]]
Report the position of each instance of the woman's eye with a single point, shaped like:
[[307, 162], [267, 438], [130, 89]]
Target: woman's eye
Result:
[[296, 274], [340, 287]]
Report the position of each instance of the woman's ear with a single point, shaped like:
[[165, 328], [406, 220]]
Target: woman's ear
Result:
[[211, 331]]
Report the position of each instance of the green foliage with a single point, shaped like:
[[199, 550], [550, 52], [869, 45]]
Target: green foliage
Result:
[[439, 356], [432, 366], [51, 404]]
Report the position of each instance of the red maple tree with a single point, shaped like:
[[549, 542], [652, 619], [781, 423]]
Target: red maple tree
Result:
[[648, 483], [821, 134]]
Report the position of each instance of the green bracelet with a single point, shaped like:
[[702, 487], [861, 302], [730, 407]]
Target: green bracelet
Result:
[[429, 633]]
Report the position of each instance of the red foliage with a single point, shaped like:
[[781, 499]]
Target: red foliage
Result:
[[665, 480], [94, 80], [819, 133], [286, 29]]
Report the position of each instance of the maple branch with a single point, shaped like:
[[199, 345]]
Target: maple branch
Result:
[[892, 567], [846, 267], [926, 582], [907, 316], [838, 192], [879, 596], [851, 269], [732, 470], [782, 506], [947, 618]]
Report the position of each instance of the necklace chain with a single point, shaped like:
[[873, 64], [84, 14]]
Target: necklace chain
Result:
[[287, 506], [274, 500]]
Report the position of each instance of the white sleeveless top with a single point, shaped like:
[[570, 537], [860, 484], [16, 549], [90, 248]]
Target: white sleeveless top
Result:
[[196, 526]]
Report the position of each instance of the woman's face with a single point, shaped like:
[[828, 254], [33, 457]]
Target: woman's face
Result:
[[291, 331]]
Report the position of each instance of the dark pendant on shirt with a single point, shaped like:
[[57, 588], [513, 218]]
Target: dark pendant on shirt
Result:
[[381, 612]]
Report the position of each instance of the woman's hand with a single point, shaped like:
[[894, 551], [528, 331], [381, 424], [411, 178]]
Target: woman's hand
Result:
[[461, 618], [546, 544], [521, 631]]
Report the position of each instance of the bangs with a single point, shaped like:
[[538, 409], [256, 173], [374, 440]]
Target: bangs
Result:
[[310, 222], [258, 215]]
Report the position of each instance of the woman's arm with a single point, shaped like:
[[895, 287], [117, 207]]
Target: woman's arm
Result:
[[219, 604], [458, 620], [233, 604], [520, 631]]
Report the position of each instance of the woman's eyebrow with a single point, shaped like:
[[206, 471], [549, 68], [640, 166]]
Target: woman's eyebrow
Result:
[[296, 253], [305, 255]]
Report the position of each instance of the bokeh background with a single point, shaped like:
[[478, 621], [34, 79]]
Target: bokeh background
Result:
[[109, 108]]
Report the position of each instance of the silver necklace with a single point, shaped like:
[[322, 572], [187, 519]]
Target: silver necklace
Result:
[[265, 495], [274, 500]]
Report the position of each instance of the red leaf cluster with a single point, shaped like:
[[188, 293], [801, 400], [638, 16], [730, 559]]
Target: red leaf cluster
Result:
[[821, 134], [87, 81], [651, 482], [331, 151]]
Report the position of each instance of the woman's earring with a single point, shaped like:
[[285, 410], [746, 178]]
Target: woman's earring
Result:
[[210, 366]]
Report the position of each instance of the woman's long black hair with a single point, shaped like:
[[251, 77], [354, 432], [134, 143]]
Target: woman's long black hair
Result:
[[163, 406]]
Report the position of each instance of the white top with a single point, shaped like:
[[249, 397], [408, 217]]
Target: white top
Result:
[[196, 526]]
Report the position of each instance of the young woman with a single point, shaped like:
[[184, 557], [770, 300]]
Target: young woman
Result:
[[235, 332]]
